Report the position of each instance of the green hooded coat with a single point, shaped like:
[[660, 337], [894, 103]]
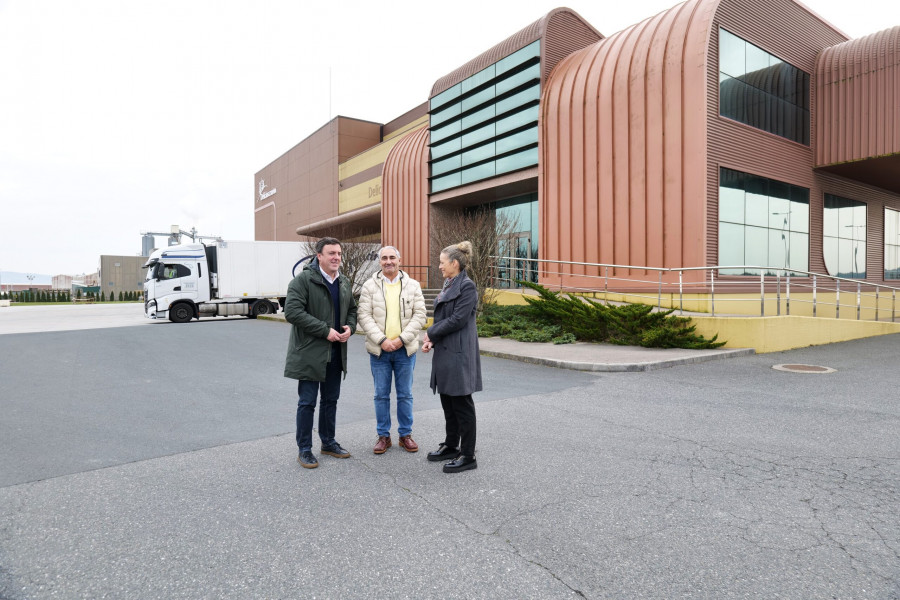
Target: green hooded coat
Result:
[[310, 311]]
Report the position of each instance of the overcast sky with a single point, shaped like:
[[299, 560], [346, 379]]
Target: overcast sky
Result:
[[121, 116]]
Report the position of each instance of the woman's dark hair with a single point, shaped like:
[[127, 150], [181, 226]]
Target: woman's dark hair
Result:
[[461, 252]]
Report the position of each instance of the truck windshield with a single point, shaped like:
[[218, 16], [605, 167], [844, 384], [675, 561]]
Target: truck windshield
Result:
[[151, 272]]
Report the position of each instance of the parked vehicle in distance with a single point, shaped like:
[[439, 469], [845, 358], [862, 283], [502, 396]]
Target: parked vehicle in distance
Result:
[[224, 278]]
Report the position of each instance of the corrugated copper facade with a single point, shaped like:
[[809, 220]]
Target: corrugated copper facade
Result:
[[858, 99], [404, 208], [623, 147], [791, 32], [567, 32]]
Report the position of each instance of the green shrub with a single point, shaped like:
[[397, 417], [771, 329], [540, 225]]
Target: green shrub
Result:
[[552, 317]]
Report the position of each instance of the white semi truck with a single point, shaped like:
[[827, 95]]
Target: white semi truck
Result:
[[225, 278]]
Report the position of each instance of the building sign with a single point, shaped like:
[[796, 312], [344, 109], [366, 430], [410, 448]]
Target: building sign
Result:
[[262, 193]]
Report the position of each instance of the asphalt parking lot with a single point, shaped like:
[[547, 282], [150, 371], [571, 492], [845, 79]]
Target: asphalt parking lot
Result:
[[154, 460]]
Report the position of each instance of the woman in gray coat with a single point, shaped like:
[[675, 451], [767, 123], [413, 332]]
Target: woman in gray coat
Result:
[[456, 367]]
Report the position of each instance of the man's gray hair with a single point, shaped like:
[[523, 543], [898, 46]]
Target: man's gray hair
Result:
[[394, 248]]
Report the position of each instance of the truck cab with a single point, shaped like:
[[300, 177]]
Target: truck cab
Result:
[[177, 281]]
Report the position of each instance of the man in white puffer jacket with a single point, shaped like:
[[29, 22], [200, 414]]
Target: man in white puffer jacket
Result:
[[392, 314]]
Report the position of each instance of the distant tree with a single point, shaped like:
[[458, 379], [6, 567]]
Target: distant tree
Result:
[[3, 296], [78, 293], [121, 296], [102, 296]]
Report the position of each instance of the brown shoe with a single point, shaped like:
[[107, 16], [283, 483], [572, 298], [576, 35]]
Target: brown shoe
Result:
[[383, 443], [407, 443]]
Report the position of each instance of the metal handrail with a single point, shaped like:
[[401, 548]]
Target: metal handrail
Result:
[[768, 277]]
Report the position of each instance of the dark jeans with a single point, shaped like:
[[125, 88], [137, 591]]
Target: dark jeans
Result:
[[459, 414], [306, 405]]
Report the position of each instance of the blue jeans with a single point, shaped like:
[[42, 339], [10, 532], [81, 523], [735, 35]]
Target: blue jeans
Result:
[[400, 366], [306, 405]]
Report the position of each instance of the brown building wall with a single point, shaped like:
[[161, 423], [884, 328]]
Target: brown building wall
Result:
[[858, 96], [306, 178], [792, 33]]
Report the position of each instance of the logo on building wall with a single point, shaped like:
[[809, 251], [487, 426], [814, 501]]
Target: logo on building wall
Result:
[[262, 193]]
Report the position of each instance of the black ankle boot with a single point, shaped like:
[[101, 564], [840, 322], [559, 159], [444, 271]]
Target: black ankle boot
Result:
[[460, 463], [444, 452]]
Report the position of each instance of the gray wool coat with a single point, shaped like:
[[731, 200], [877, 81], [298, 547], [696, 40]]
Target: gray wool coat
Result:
[[456, 366]]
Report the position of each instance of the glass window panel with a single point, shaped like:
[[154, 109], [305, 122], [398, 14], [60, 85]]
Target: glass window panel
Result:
[[446, 113], [765, 92], [845, 221], [731, 205], [478, 172], [517, 140], [859, 259], [757, 60], [799, 209], [845, 258], [445, 148], [520, 160], [757, 207], [478, 78], [731, 247], [445, 96], [778, 189], [479, 135], [779, 207], [528, 95], [732, 54], [831, 252], [531, 73], [891, 226], [804, 99], [779, 241], [477, 154], [756, 246], [523, 117], [478, 98], [798, 250], [830, 225], [892, 262], [480, 116], [859, 221], [518, 57], [445, 182], [447, 164], [451, 128]]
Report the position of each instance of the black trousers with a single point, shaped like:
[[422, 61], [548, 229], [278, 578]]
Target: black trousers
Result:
[[459, 414]]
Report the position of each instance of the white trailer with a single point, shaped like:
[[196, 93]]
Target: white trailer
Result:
[[225, 278]]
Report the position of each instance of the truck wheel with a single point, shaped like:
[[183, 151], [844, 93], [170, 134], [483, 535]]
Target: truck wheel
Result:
[[260, 307], [181, 313]]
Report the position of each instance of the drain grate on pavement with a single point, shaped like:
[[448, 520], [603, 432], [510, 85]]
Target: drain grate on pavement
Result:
[[804, 369]]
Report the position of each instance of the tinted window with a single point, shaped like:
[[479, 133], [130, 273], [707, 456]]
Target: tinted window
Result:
[[760, 90], [762, 222], [844, 239]]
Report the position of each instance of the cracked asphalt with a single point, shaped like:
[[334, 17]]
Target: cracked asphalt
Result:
[[124, 476]]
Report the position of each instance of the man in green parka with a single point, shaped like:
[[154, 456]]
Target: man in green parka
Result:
[[322, 311]]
